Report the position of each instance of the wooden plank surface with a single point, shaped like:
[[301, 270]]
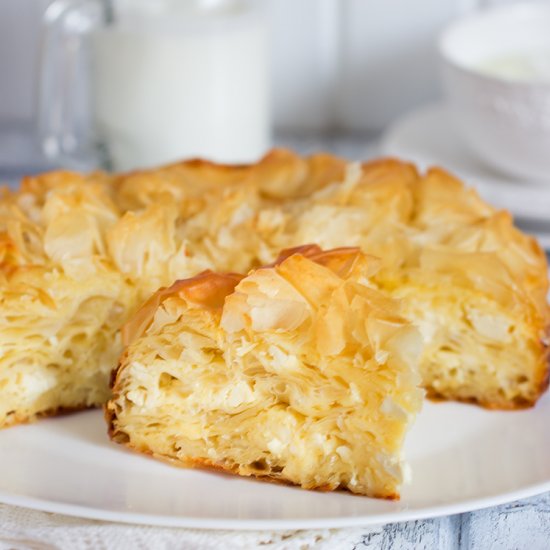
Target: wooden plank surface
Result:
[[522, 525]]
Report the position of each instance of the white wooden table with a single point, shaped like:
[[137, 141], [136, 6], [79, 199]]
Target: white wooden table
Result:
[[520, 525]]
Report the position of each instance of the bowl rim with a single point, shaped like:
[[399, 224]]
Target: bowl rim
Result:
[[486, 14]]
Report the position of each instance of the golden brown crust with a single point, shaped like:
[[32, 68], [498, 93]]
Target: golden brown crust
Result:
[[338, 260], [208, 290], [279, 175], [209, 465], [15, 419], [202, 463], [516, 405], [544, 370], [109, 413]]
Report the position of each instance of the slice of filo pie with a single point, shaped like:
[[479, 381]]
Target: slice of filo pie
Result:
[[300, 372]]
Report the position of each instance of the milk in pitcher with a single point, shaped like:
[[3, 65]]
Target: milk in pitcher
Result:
[[183, 83]]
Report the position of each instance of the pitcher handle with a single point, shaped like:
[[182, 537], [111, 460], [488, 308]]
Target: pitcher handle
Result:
[[65, 127]]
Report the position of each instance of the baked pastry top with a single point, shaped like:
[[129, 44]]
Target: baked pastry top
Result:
[[299, 372], [79, 254], [474, 284]]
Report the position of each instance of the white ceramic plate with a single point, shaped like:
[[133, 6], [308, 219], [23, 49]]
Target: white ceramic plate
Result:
[[462, 457], [427, 137]]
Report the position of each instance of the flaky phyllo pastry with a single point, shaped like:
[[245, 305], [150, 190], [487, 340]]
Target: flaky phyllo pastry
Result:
[[79, 254], [301, 372]]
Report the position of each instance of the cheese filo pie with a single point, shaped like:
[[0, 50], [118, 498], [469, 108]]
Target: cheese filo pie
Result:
[[301, 372]]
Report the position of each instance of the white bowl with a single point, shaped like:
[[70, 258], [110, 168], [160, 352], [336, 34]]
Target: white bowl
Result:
[[502, 112]]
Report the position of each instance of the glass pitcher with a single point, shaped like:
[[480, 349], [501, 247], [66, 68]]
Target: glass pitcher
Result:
[[134, 83]]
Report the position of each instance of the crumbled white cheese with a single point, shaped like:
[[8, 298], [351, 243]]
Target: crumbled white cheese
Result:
[[37, 383], [344, 452], [428, 324], [283, 360], [493, 327], [355, 393], [137, 397], [391, 408], [276, 446], [239, 394]]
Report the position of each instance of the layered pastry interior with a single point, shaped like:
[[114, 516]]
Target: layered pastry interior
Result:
[[301, 372]]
